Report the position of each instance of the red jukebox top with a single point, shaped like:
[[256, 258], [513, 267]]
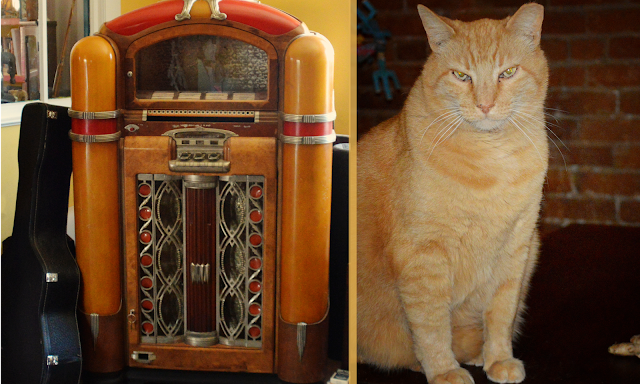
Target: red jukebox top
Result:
[[256, 15]]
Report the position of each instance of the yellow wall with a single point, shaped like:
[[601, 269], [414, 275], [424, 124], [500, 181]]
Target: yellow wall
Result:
[[332, 18], [9, 177]]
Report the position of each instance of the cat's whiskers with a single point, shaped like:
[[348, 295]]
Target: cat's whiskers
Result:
[[443, 117], [512, 120], [529, 118], [450, 127]]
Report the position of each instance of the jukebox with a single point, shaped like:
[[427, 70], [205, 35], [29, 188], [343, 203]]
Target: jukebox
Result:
[[202, 147]]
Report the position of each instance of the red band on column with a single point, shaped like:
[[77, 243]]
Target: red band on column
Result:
[[94, 127], [307, 129]]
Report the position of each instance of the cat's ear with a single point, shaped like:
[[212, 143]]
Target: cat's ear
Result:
[[527, 23], [438, 31]]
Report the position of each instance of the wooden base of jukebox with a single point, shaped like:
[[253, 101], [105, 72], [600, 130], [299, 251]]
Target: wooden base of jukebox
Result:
[[202, 174]]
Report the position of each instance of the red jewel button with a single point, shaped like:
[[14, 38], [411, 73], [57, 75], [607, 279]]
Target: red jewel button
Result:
[[147, 304], [254, 332], [255, 286], [254, 309], [147, 328], [145, 213], [146, 282], [255, 263], [255, 216], [255, 239], [144, 190], [145, 237], [255, 192], [146, 260]]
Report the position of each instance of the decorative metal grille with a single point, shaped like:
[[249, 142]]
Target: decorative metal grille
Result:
[[239, 255], [240, 249], [160, 258]]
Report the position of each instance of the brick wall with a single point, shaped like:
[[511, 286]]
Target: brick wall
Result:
[[593, 47]]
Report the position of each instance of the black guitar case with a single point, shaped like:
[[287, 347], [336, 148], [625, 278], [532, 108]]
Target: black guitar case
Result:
[[40, 277]]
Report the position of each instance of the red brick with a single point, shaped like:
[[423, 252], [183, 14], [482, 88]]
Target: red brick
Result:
[[467, 14], [630, 102], [555, 49], [619, 183], [547, 226], [382, 5], [630, 211], [577, 154], [627, 156], [610, 130], [614, 75], [582, 102], [407, 74], [558, 180], [579, 208], [401, 24], [566, 76], [587, 49], [624, 48], [564, 22], [369, 99], [582, 2], [417, 49], [608, 21], [433, 4]]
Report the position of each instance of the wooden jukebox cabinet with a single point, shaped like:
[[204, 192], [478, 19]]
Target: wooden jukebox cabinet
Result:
[[202, 144]]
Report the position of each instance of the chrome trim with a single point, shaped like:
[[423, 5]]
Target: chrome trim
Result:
[[301, 338], [95, 328], [94, 138], [138, 356], [201, 339], [321, 118], [309, 140], [220, 166], [94, 115], [52, 277], [213, 5], [52, 360], [200, 182]]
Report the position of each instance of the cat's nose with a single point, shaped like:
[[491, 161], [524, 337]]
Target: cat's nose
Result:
[[485, 107]]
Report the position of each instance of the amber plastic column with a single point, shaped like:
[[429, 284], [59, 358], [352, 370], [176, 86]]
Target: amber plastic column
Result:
[[96, 192], [306, 208]]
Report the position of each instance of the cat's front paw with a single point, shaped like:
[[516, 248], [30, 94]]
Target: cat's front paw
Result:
[[506, 371], [454, 376]]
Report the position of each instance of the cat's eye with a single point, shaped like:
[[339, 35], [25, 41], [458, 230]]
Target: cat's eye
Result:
[[461, 76], [508, 73]]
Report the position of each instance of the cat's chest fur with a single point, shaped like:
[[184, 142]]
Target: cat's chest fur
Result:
[[477, 201]]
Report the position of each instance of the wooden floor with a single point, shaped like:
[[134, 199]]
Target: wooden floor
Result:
[[584, 297]]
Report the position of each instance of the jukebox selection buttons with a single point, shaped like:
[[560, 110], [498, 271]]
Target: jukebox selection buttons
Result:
[[255, 216], [145, 213], [147, 305], [255, 239], [255, 286], [254, 332], [146, 282], [256, 192], [146, 260], [255, 309], [144, 190], [147, 327], [145, 237], [255, 263]]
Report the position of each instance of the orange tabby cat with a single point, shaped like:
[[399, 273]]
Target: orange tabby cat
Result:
[[449, 194]]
